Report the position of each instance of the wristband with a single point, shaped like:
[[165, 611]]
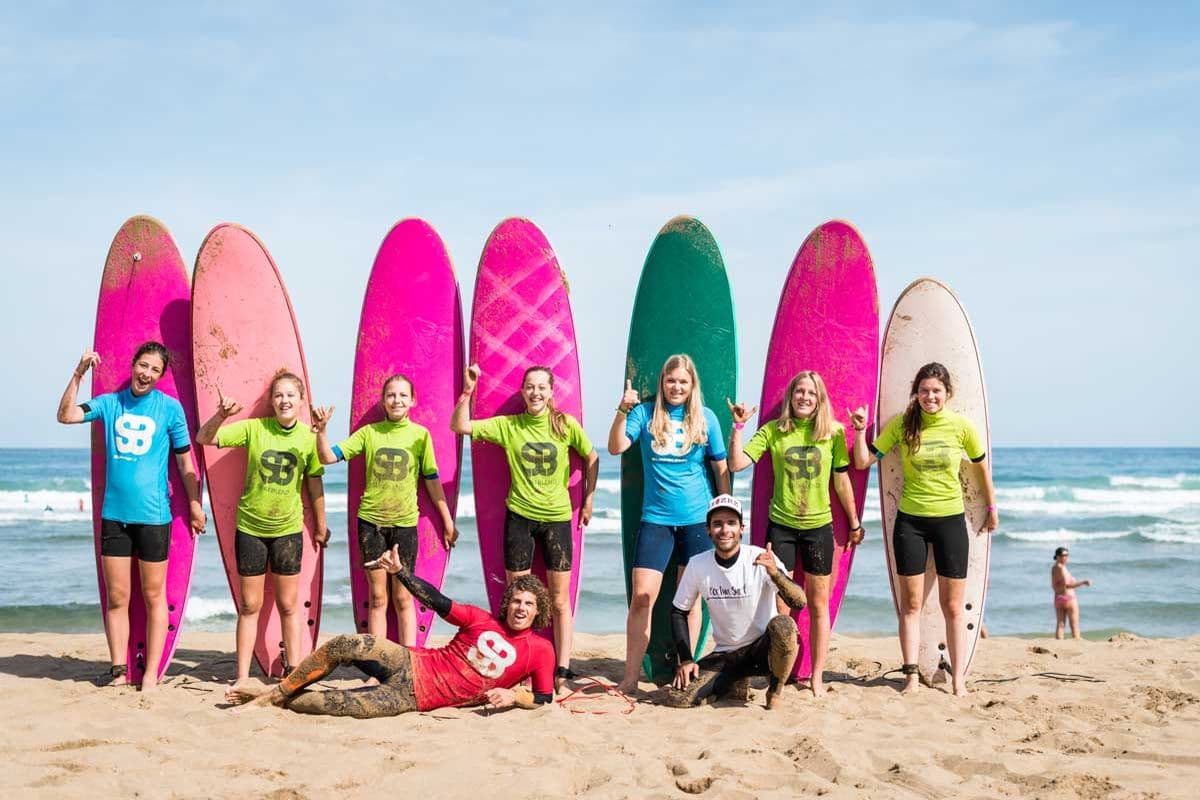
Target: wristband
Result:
[[737, 426], [464, 396], [992, 509], [78, 374], [860, 430], [622, 411], [856, 528]]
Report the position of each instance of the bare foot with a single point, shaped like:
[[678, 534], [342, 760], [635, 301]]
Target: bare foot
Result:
[[911, 684], [774, 692], [818, 687], [149, 684], [251, 698], [960, 689]]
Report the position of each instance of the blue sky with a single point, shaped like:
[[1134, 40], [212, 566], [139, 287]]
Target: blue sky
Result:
[[1039, 158]]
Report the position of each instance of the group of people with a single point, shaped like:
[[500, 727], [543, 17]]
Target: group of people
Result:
[[687, 513]]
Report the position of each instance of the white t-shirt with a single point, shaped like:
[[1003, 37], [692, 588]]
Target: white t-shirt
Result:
[[741, 599]]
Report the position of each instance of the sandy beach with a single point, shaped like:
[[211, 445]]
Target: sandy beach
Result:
[[1126, 730]]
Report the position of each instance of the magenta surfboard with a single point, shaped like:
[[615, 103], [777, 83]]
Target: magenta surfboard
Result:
[[520, 316], [827, 321], [144, 295], [243, 332], [411, 324]]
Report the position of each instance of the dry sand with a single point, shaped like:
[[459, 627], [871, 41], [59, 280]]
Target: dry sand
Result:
[[1132, 730]]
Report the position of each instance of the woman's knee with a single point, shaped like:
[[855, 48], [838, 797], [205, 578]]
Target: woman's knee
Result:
[[642, 600], [117, 598], [248, 606], [378, 598]]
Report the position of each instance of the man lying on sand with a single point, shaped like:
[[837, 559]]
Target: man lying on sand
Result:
[[481, 664], [740, 585]]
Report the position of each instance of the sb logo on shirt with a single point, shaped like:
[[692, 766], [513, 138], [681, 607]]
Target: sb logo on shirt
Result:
[[802, 462], [391, 464], [541, 458], [491, 655], [278, 466], [134, 434]]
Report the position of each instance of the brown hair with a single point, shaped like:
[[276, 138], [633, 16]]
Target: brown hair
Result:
[[695, 429], [912, 414], [822, 416], [558, 420], [285, 374], [399, 376], [157, 349], [529, 583]]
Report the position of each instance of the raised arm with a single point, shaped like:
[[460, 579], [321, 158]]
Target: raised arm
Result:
[[460, 420], [69, 413], [226, 408], [425, 592], [320, 420], [738, 460], [863, 457], [618, 442], [789, 591]]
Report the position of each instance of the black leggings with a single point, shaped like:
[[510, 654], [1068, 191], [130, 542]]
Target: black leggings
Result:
[[912, 535]]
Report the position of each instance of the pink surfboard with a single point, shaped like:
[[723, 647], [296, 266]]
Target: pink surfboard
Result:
[[144, 295], [828, 322], [243, 332], [520, 316], [411, 324]]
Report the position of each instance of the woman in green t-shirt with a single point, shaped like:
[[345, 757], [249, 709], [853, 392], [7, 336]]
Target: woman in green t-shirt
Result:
[[281, 459], [931, 439], [808, 452], [538, 505], [397, 451]]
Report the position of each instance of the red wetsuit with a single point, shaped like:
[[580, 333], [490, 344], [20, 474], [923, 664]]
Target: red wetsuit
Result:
[[483, 655]]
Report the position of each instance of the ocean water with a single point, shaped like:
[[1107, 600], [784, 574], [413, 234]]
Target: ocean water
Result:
[[1130, 516]]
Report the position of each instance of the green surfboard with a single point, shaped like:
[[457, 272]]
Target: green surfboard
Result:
[[683, 305]]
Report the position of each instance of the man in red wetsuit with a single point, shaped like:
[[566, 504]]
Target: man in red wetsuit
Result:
[[481, 664]]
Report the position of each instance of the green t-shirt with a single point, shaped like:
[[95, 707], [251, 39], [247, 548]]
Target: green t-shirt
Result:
[[538, 460], [931, 486], [397, 453], [277, 460], [802, 469]]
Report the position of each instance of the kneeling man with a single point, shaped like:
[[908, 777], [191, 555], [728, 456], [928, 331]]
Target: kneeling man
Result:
[[481, 664], [739, 584]]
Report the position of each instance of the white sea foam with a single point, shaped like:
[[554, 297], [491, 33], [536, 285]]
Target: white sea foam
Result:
[[612, 485], [1097, 502], [202, 608], [1179, 480], [604, 525], [1063, 535]]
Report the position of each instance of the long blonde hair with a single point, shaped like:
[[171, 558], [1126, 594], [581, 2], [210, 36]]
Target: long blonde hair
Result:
[[695, 429], [822, 416], [558, 420]]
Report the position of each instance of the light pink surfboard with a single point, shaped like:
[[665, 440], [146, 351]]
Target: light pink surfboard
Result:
[[411, 324], [520, 316], [243, 331], [144, 295], [828, 322]]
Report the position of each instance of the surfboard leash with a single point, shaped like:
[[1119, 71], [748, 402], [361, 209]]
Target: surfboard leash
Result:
[[593, 690]]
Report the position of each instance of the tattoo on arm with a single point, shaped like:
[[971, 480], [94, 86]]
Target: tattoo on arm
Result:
[[425, 593], [789, 590]]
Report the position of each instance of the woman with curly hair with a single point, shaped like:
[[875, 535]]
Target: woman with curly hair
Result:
[[480, 665]]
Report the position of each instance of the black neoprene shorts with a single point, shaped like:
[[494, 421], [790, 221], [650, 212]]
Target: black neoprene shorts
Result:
[[554, 538], [150, 543], [375, 540], [815, 546], [254, 553], [948, 537]]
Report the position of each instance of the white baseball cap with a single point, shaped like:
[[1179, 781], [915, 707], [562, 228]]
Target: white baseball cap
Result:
[[725, 501]]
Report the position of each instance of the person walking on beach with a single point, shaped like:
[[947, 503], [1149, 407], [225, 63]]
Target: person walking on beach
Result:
[[142, 426], [741, 586], [396, 450], [1066, 605], [483, 663], [538, 506], [931, 439], [678, 437], [808, 451], [281, 460]]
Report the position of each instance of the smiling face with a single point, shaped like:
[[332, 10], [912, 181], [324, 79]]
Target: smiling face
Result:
[[725, 530], [804, 398], [932, 395], [537, 391], [397, 399], [285, 401], [521, 611], [147, 369], [677, 386]]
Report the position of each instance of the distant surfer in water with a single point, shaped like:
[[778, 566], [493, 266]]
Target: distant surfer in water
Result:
[[931, 440], [281, 458], [680, 440], [397, 451], [1066, 605], [483, 663], [538, 506], [142, 427], [807, 448], [741, 586]]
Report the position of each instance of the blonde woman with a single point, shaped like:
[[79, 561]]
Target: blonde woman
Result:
[[808, 453], [679, 438]]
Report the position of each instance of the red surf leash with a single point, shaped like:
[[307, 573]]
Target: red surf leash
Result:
[[596, 690]]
